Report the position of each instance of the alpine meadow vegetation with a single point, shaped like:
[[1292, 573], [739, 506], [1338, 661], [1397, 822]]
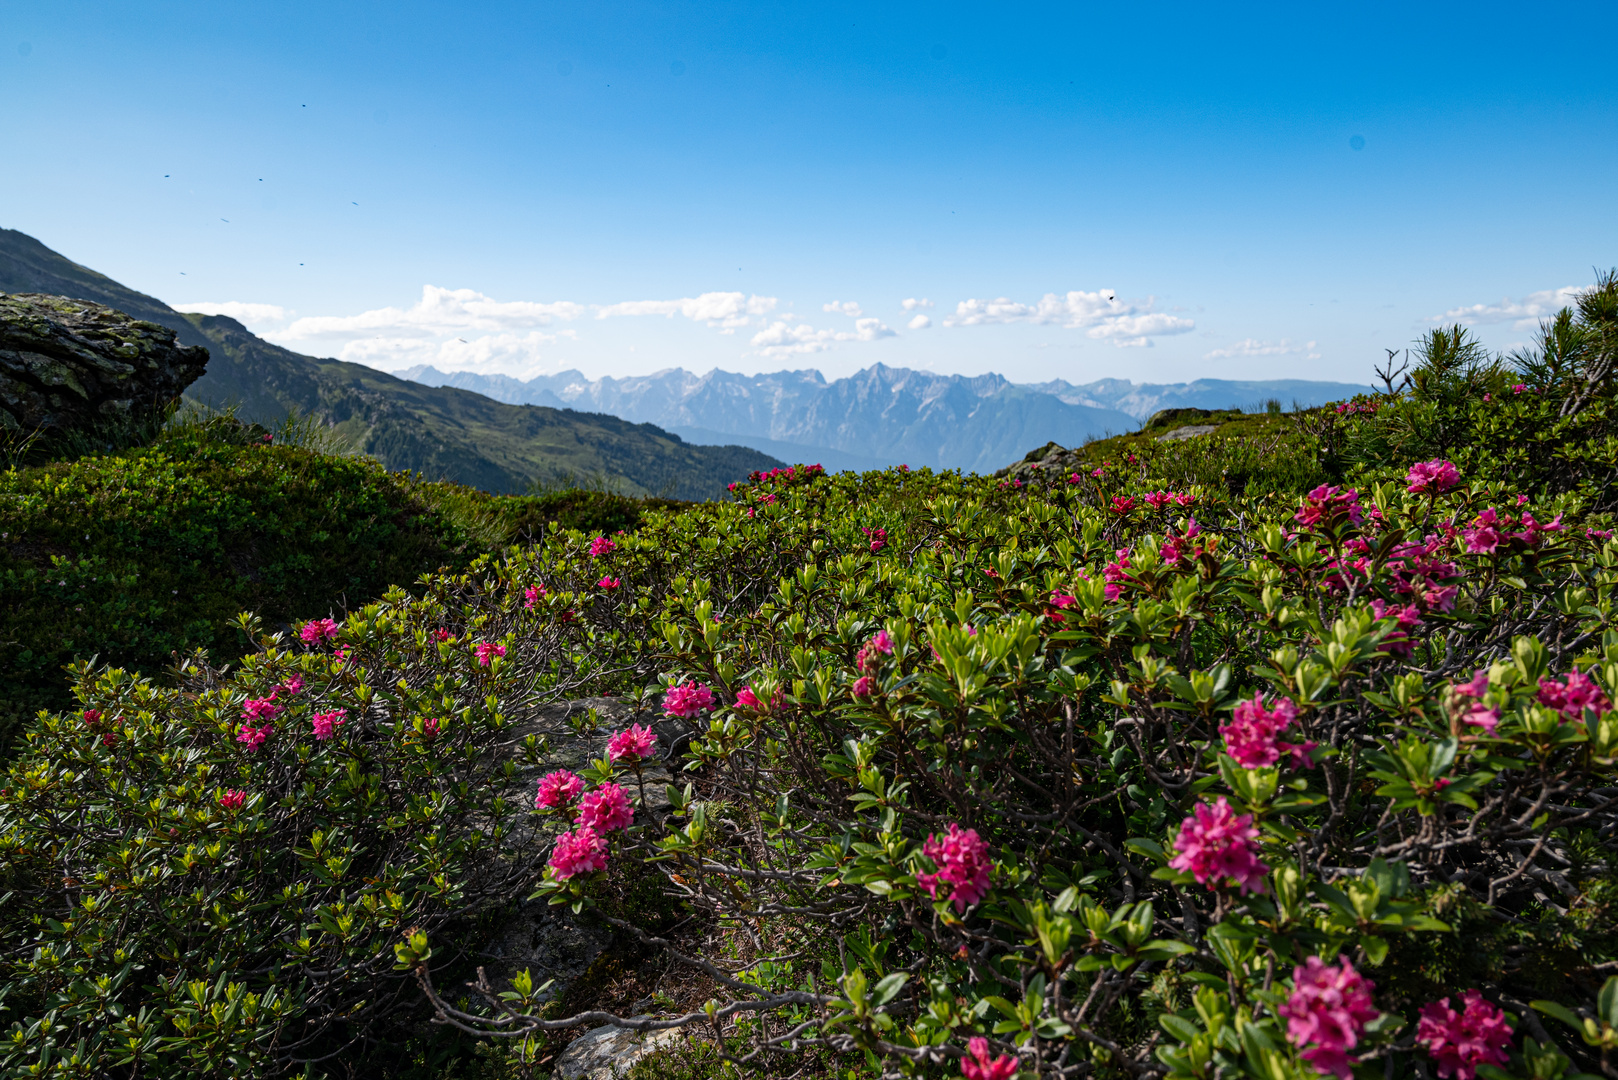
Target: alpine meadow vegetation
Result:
[[1274, 754]]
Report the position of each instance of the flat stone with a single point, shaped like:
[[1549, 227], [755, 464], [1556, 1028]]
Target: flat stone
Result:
[[608, 1053], [1190, 431]]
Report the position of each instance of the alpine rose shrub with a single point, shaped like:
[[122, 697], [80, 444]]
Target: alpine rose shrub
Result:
[[634, 743], [327, 723], [1252, 738], [1432, 477], [687, 699], [581, 851], [978, 1065], [1327, 1012], [558, 790], [1217, 845], [963, 864], [1461, 1041], [605, 810], [317, 630]]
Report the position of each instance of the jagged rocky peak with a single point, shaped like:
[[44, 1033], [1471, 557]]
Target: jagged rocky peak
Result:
[[72, 364]]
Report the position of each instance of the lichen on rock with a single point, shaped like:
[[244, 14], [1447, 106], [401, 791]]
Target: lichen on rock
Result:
[[68, 365]]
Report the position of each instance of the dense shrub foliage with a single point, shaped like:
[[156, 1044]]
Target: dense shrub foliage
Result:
[[1139, 772], [147, 552]]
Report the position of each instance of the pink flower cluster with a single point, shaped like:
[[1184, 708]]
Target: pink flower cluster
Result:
[[809, 471], [1327, 506], [878, 538], [1121, 505], [879, 645], [1408, 616], [253, 737], [429, 728], [1157, 500], [1352, 408], [291, 686], [1253, 736], [1432, 477], [1060, 602], [1327, 1013], [864, 687], [963, 863], [263, 708], [1177, 548], [233, 799], [1461, 1041], [1116, 575], [602, 546], [608, 583], [531, 596], [486, 652], [977, 1065], [327, 723], [558, 790], [748, 699], [1216, 845], [634, 743], [605, 810], [1572, 696], [687, 699], [1466, 703], [441, 634], [578, 852], [317, 630], [1492, 529]]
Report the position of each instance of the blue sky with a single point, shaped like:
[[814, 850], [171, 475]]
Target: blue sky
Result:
[[1077, 191]]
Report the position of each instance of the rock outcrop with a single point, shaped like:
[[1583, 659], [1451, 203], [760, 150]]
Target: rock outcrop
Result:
[[70, 365]]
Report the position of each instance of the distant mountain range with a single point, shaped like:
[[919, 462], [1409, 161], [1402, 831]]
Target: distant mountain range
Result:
[[446, 433], [883, 416]]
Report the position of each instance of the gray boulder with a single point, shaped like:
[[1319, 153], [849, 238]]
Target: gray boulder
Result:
[[70, 365], [608, 1053]]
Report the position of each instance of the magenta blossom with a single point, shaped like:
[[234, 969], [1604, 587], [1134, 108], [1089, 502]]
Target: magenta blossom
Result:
[[1326, 505], [633, 743], [486, 652], [748, 699], [1252, 737], [292, 685], [252, 737], [1116, 574], [1060, 602], [558, 790], [606, 809], [327, 723], [878, 538], [1217, 845], [1461, 1041], [1517, 389], [233, 799], [317, 630], [687, 699], [1574, 695], [864, 686], [1121, 505], [1432, 477], [531, 596], [1484, 536], [578, 852], [977, 1065], [602, 546], [608, 583], [963, 863], [261, 708], [429, 728], [1327, 1013], [879, 644]]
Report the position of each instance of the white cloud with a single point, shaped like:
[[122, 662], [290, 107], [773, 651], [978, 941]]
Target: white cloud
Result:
[[1255, 347], [1522, 313], [913, 303], [1100, 314], [780, 339], [242, 312], [727, 310], [846, 307], [920, 322], [511, 354], [439, 311]]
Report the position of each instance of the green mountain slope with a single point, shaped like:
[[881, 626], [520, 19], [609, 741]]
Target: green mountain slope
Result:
[[445, 433]]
